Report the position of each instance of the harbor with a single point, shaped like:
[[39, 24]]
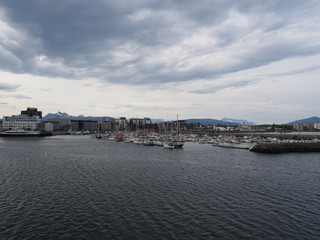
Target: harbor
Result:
[[168, 134], [262, 143]]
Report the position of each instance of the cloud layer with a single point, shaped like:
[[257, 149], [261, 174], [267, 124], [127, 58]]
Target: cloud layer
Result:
[[257, 60], [153, 42]]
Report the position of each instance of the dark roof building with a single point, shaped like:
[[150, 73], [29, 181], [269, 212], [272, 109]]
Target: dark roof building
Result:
[[30, 112]]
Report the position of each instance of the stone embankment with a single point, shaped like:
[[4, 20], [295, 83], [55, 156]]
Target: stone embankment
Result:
[[286, 147]]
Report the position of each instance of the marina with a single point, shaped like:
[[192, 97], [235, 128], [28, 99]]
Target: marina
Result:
[[262, 143]]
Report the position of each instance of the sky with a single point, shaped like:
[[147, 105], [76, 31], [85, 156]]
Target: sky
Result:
[[249, 59]]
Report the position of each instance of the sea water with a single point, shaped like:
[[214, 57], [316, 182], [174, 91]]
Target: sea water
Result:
[[78, 187]]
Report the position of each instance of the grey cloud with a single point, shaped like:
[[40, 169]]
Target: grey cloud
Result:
[[141, 107], [8, 87], [20, 96], [299, 71], [124, 41], [211, 90]]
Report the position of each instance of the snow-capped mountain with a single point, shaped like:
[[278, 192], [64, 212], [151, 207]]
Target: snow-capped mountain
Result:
[[239, 121], [79, 117]]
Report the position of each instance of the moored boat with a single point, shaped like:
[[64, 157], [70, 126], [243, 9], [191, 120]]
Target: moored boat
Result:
[[148, 142], [173, 144], [20, 133], [168, 145], [158, 143]]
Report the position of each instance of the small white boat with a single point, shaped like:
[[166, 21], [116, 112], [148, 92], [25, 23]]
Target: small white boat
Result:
[[168, 145], [138, 141], [148, 142], [173, 144], [158, 143]]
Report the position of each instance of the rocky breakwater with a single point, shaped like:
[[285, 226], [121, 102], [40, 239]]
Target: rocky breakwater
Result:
[[286, 147]]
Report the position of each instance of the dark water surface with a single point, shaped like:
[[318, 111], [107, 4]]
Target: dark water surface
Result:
[[77, 187]]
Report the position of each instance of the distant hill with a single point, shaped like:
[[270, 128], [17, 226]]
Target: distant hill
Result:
[[311, 120], [157, 120], [66, 115], [210, 121]]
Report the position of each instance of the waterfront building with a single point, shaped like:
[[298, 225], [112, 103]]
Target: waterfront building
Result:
[[106, 125], [61, 124], [48, 127], [121, 124], [259, 128], [245, 128], [91, 126], [316, 126], [84, 125], [307, 127], [147, 124], [22, 121], [45, 127], [30, 112], [297, 127], [140, 124], [303, 127], [75, 125], [135, 123]]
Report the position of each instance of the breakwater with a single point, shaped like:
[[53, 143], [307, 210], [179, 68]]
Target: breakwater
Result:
[[286, 147]]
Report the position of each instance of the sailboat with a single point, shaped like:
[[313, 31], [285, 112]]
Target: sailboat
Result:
[[174, 143]]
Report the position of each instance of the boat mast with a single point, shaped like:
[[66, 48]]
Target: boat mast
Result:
[[177, 125]]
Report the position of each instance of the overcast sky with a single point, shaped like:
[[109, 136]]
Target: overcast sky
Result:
[[249, 59]]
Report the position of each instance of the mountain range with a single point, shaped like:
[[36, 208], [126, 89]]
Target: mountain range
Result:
[[311, 120], [66, 115], [239, 121], [205, 121], [210, 121]]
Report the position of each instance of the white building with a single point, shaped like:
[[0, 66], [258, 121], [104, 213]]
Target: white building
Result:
[[21, 121], [316, 126]]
